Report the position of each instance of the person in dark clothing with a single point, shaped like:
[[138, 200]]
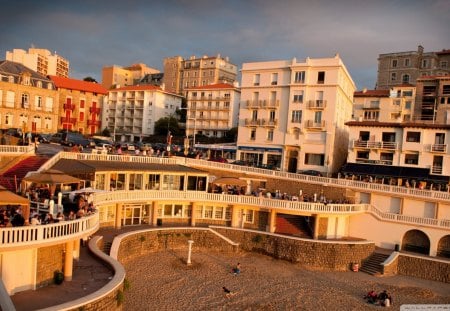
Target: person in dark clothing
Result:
[[228, 293]]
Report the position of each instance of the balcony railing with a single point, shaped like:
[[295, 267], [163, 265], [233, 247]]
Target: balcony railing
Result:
[[271, 103], [253, 103], [311, 124], [439, 148], [94, 110], [371, 105], [366, 144], [252, 122], [94, 123], [28, 236], [269, 122], [65, 120], [317, 104], [436, 169], [69, 107]]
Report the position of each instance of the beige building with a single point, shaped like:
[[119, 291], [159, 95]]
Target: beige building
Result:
[[395, 105], [406, 67], [124, 76], [40, 60], [212, 110], [433, 99], [293, 112], [80, 105], [181, 74], [28, 100], [131, 111]]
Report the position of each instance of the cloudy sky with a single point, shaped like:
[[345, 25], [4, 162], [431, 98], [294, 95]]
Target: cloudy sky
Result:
[[97, 33]]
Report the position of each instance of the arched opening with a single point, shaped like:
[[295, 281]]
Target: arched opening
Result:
[[416, 241], [443, 249], [292, 164]]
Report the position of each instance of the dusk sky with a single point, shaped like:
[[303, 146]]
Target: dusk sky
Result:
[[97, 33]]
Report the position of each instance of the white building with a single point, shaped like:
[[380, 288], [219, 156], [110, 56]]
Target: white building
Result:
[[40, 60], [212, 110], [131, 111], [293, 112]]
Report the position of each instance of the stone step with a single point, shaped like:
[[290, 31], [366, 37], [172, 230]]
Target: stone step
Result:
[[373, 264]]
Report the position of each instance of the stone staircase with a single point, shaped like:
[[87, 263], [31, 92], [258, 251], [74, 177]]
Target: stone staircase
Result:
[[107, 247], [372, 265], [292, 225], [15, 174]]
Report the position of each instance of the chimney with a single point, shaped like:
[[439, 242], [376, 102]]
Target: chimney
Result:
[[364, 90]]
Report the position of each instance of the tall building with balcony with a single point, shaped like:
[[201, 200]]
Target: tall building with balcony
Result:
[[181, 74], [433, 99], [406, 67], [293, 112], [212, 110], [28, 100], [131, 111], [80, 105], [40, 60], [123, 76]]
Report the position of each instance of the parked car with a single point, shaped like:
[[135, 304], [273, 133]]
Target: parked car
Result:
[[56, 138], [72, 139], [16, 132], [42, 138], [310, 172]]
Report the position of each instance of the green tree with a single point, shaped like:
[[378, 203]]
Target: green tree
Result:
[[170, 123], [90, 79], [106, 132]]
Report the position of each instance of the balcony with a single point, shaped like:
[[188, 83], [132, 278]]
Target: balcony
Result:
[[269, 122], [273, 103], [253, 103], [366, 144], [94, 110], [252, 122], [436, 169], [93, 122], [367, 161], [311, 124], [69, 107], [374, 105], [65, 120], [318, 104], [438, 148]]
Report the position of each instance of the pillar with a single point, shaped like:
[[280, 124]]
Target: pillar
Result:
[[118, 216], [272, 221], [26, 213], [316, 227], [193, 206], [68, 261], [76, 249], [248, 189], [154, 213], [235, 216]]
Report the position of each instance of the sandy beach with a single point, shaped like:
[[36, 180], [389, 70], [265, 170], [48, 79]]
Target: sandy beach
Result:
[[163, 281]]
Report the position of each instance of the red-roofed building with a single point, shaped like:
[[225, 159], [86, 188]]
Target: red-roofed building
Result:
[[131, 111], [80, 105], [212, 110]]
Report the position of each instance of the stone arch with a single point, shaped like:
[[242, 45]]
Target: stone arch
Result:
[[443, 248], [416, 241]]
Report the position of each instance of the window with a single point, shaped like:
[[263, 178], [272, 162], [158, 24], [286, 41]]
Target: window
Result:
[[256, 79], [424, 63], [408, 93], [296, 133], [272, 115], [82, 101], [314, 159], [299, 77], [393, 76], [38, 102], [362, 155], [298, 97], [405, 78], [371, 115], [194, 94], [254, 115], [444, 64], [408, 104], [81, 116], [318, 117], [24, 101], [412, 159], [407, 62], [253, 134], [270, 135], [394, 63], [406, 118], [296, 116], [321, 77], [387, 158], [396, 102], [413, 137], [274, 79], [39, 84]]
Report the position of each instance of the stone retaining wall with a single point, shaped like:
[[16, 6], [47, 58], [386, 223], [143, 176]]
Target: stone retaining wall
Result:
[[326, 255], [424, 268], [49, 259]]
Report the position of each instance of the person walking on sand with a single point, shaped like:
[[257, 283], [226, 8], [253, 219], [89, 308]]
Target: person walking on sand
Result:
[[237, 270], [228, 293]]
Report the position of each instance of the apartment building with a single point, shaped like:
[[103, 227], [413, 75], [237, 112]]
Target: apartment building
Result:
[[28, 100], [293, 114], [394, 105], [181, 74], [433, 99], [40, 60], [80, 105], [406, 67], [131, 111], [212, 110], [123, 76]]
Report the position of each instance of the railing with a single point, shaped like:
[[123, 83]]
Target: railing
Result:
[[317, 104], [439, 148], [374, 144], [92, 122], [314, 124], [16, 149], [95, 110], [20, 237]]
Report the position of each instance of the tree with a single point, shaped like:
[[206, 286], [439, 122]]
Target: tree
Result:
[[106, 132], [170, 123], [90, 79]]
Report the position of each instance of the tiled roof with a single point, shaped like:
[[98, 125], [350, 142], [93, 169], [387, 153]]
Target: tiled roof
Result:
[[372, 93], [144, 87], [213, 86], [443, 52], [80, 85], [12, 68]]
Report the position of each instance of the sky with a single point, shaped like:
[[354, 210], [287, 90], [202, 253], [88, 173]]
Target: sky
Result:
[[97, 33]]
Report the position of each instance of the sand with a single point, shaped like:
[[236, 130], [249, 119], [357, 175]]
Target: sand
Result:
[[163, 281]]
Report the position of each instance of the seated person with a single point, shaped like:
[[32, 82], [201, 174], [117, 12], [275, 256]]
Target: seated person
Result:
[[371, 297]]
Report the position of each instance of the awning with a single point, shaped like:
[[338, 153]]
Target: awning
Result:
[[10, 198], [386, 171]]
